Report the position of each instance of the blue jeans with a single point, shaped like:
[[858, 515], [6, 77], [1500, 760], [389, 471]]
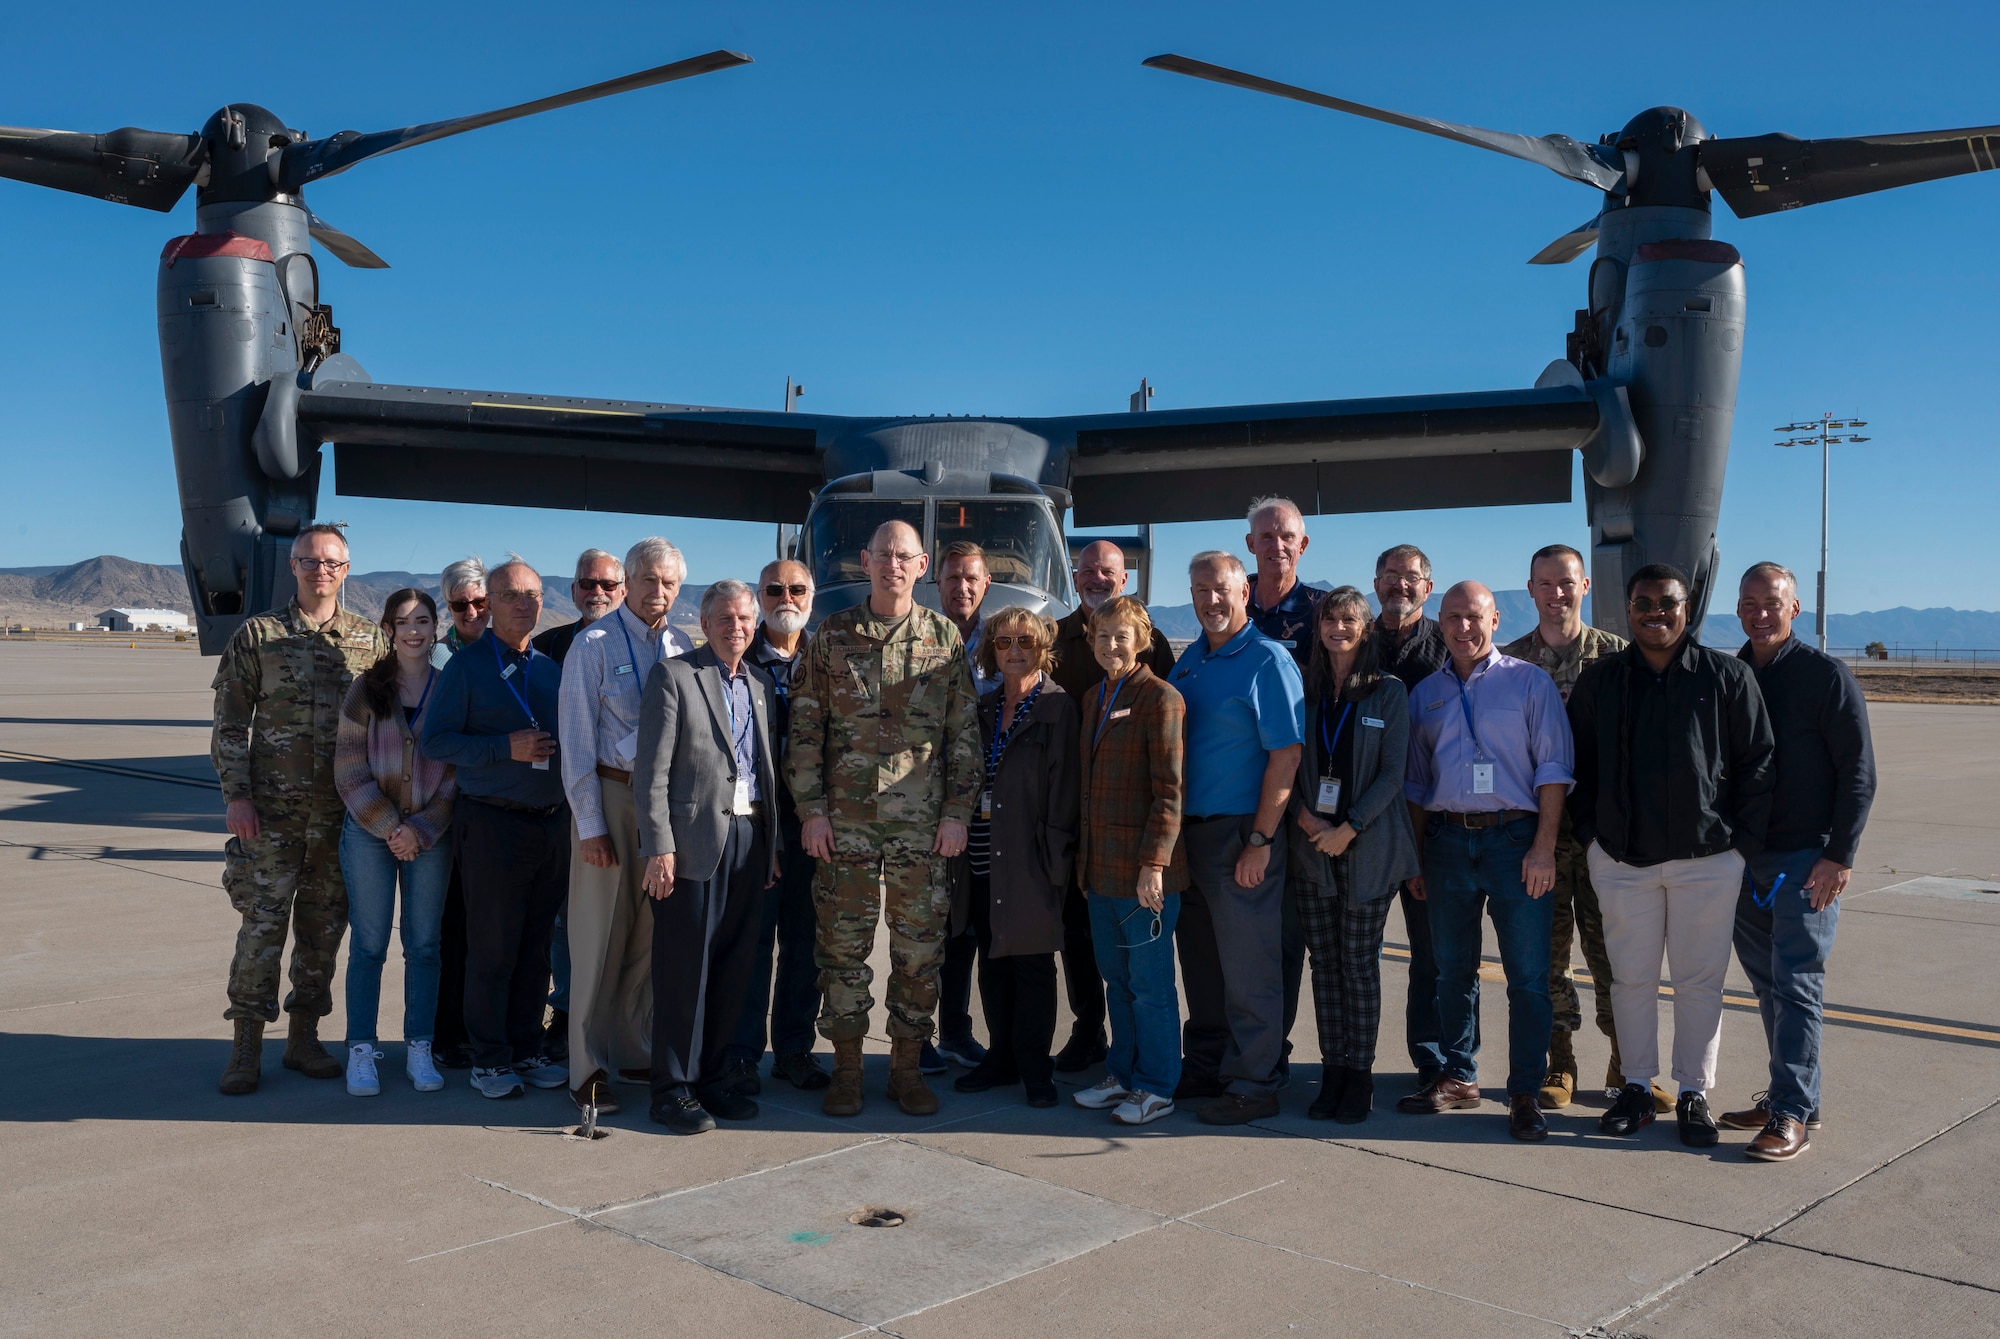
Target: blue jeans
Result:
[[1139, 997], [1466, 869], [1783, 952], [371, 874]]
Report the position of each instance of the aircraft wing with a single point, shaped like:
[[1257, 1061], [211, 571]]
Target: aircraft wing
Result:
[[1485, 449], [564, 452]]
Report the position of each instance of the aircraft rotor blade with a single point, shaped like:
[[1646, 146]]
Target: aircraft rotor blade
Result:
[[1763, 174], [1587, 163], [308, 162], [349, 251], [148, 168], [1569, 246]]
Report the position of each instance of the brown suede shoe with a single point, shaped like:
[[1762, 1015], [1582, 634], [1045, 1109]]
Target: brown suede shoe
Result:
[[304, 1053], [246, 1058], [906, 1077], [1524, 1119], [1445, 1095], [1783, 1139], [843, 1094]]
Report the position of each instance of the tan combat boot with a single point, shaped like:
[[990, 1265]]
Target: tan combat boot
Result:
[[1560, 1085], [303, 1051], [906, 1080], [843, 1095], [246, 1056]]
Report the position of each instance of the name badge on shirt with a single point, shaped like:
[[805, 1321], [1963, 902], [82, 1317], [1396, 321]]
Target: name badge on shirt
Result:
[[986, 804], [1121, 713], [1482, 778], [621, 669], [1371, 721], [739, 803], [1329, 795], [540, 764], [508, 673]]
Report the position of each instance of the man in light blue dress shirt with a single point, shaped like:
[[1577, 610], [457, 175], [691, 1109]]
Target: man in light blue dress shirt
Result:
[[1490, 766]]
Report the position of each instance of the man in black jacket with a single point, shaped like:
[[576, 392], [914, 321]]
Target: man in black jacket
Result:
[[1673, 794], [1789, 903]]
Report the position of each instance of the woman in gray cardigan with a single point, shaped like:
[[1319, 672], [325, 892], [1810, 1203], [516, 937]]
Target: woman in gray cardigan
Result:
[[1350, 844]]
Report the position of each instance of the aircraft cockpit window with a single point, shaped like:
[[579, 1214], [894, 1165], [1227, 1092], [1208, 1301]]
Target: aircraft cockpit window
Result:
[[1023, 545], [841, 529]]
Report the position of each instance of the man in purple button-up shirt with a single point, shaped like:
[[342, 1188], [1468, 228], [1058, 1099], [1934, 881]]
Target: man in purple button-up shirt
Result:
[[1490, 765]]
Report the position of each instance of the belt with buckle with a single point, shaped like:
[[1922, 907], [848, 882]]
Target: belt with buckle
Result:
[[1486, 820], [614, 774], [516, 807]]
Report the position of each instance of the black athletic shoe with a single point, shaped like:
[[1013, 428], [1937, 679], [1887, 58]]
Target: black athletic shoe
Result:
[[726, 1103], [1081, 1051], [1631, 1113], [453, 1057], [1698, 1128], [681, 1113], [801, 1070], [739, 1076]]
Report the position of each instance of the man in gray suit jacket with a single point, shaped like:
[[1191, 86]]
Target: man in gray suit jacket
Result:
[[707, 797]]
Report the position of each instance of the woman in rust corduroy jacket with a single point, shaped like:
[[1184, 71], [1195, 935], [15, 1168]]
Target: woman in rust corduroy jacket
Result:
[[1130, 863]]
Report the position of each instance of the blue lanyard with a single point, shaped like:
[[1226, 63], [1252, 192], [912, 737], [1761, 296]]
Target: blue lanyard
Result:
[[1103, 719], [1464, 705], [1001, 738], [527, 669], [1326, 759], [428, 684]]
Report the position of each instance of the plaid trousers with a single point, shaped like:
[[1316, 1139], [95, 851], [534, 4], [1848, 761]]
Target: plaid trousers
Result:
[[1345, 939]]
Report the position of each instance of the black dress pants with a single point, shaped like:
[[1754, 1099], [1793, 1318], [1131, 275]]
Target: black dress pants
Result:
[[450, 1028], [1018, 994], [704, 956], [515, 868], [1081, 982]]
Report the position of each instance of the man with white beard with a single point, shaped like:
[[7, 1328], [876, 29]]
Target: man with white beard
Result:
[[1100, 574], [785, 596]]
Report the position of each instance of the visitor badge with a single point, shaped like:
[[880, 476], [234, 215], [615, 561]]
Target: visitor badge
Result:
[[628, 749], [1482, 778], [986, 804], [1329, 794], [1371, 721], [508, 673], [540, 764], [621, 669], [739, 803], [1121, 713]]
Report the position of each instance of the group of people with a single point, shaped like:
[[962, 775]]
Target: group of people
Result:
[[695, 845]]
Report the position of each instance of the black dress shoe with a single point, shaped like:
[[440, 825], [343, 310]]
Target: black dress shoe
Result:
[[1195, 1088], [1525, 1120], [726, 1103], [739, 1076], [1237, 1108], [453, 1057], [1041, 1094], [1332, 1079], [681, 1113], [801, 1070], [1357, 1097], [1081, 1051], [1631, 1113], [1697, 1126], [985, 1075]]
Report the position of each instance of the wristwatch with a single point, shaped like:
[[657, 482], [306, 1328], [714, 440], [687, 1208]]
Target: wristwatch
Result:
[[1258, 839]]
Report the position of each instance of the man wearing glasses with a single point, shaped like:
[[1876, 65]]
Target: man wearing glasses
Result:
[[492, 715], [278, 689], [1673, 792], [884, 764], [596, 589]]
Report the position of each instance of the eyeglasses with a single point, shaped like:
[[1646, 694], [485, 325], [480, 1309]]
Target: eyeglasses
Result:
[[605, 584], [1666, 604], [896, 559], [464, 606], [798, 591], [518, 596], [1402, 579], [1026, 643], [320, 564], [1156, 930]]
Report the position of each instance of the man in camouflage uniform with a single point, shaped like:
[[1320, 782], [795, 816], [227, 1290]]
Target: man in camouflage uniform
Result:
[[883, 762], [1562, 643], [278, 691]]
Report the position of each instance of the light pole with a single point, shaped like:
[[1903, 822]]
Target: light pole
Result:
[[1821, 432]]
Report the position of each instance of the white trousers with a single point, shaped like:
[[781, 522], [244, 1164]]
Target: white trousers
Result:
[[1686, 911], [610, 949]]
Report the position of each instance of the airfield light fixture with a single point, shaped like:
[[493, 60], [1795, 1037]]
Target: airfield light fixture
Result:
[[1822, 432]]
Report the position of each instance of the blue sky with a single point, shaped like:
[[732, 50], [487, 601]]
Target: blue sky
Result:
[[994, 209]]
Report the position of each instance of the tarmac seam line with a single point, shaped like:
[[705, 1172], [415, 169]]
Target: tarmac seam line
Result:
[[450, 1250], [1900, 1269]]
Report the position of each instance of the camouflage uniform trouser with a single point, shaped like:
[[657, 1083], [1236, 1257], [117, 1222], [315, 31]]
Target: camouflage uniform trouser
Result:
[[290, 875], [1577, 914], [869, 861]]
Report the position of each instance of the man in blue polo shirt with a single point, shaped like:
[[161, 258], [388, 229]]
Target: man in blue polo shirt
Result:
[[1245, 728]]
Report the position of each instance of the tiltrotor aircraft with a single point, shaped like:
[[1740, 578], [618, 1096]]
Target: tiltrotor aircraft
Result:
[[256, 382]]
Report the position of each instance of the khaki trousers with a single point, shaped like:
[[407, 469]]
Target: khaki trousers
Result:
[[1686, 911], [610, 949]]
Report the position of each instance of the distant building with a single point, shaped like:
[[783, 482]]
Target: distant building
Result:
[[140, 620]]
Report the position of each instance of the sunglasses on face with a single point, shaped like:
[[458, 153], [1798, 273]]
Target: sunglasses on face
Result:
[[464, 606], [1009, 643], [797, 591], [1666, 604], [604, 584]]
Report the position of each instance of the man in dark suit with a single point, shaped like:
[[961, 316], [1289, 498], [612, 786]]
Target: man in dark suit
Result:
[[707, 793]]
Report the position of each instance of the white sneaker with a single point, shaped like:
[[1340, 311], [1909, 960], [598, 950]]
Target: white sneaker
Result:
[[1140, 1108], [1108, 1092], [422, 1069], [543, 1072], [361, 1079], [502, 1082]]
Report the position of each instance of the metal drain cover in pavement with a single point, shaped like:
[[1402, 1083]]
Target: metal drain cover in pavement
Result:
[[966, 1226]]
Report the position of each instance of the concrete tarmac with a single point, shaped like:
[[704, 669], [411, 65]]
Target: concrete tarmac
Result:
[[136, 1200]]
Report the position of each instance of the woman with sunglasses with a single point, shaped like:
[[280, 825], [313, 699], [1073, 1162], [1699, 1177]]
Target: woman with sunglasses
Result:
[[463, 585], [1351, 845], [398, 812], [1130, 862], [1019, 849]]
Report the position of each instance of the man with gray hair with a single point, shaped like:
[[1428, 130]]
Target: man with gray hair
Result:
[[596, 589], [609, 920], [462, 590], [1281, 605]]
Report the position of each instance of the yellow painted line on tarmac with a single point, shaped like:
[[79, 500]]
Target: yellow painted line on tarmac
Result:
[[556, 409], [1957, 1031]]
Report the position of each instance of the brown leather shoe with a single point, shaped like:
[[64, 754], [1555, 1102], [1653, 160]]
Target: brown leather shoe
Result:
[[246, 1054], [843, 1094], [1524, 1119], [907, 1088], [304, 1053], [1445, 1095], [595, 1089], [1757, 1115], [1783, 1139]]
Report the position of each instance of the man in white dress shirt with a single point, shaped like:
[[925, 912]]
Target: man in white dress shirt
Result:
[[610, 918]]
